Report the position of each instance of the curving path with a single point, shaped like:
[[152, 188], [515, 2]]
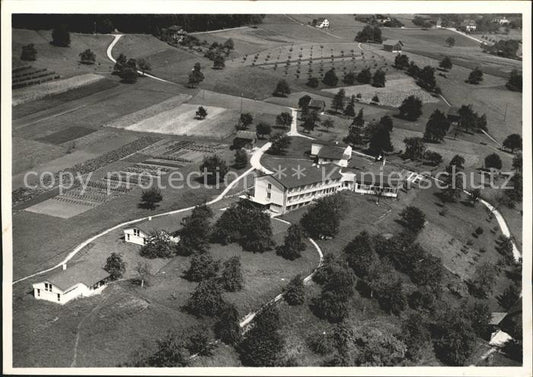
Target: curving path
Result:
[[294, 126], [109, 53]]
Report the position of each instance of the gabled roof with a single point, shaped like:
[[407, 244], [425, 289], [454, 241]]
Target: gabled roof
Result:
[[155, 224], [392, 42], [496, 318], [86, 273], [246, 135], [309, 174], [175, 28], [317, 103], [332, 152]]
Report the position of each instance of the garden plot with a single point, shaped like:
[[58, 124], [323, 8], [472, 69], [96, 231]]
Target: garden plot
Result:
[[55, 87], [78, 200], [140, 115], [68, 134], [393, 94], [174, 155], [181, 121]]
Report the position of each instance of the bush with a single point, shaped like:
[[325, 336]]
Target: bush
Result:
[[294, 292], [202, 267], [321, 343], [87, 57], [29, 53], [312, 82], [479, 230]]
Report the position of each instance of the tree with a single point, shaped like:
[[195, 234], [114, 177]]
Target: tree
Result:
[[450, 41], [493, 161], [202, 267], [365, 76], [359, 121], [214, 169], [312, 82], [144, 66], [380, 140], [510, 296], [87, 57], [426, 78], [386, 122], [338, 100], [329, 307], [295, 291], [414, 148], [231, 278], [350, 108], [284, 119], [196, 76], [437, 126], [427, 272], [282, 89], [227, 327], [115, 266], [263, 129], [401, 61], [483, 281], [310, 120], [411, 108], [219, 61], [241, 159], [378, 80], [328, 123], [515, 81], [129, 75], [263, 343], [120, 64], [513, 142], [206, 299], [475, 77], [61, 36], [280, 143], [143, 269], [479, 315], [517, 162], [198, 342], [446, 63], [150, 197], [413, 218], [245, 224], [304, 101], [360, 254], [293, 244], [454, 338], [369, 34], [201, 113], [474, 196], [158, 245], [390, 294], [323, 218], [29, 53], [415, 335], [170, 352], [195, 230], [330, 78], [245, 120], [349, 78], [458, 161], [413, 70]]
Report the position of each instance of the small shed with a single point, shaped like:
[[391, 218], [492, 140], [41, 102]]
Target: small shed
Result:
[[245, 139], [139, 234], [321, 23], [393, 45], [317, 105], [453, 114]]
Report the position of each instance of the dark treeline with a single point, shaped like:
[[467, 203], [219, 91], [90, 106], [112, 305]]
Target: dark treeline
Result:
[[133, 23]]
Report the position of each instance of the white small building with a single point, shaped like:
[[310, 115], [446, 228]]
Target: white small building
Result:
[[79, 280], [331, 154], [321, 23], [501, 21], [469, 25], [140, 234]]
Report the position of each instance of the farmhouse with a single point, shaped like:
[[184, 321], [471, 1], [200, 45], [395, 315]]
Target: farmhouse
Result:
[[321, 23], [469, 25], [245, 139], [173, 34], [79, 280], [331, 154], [317, 105], [393, 45], [139, 234], [501, 21]]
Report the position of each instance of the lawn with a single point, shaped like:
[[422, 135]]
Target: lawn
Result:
[[63, 60], [125, 313]]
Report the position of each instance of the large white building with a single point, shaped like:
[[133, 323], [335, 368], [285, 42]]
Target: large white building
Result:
[[283, 192], [79, 280]]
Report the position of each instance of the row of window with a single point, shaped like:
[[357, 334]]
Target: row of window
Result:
[[45, 287]]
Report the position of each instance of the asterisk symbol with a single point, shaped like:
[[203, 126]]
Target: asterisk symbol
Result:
[[279, 172], [298, 172]]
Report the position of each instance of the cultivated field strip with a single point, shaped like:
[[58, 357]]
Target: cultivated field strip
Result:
[[148, 112], [59, 86]]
